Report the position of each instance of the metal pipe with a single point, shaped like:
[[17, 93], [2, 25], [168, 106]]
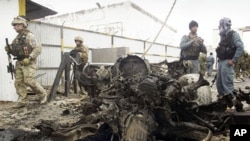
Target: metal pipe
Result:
[[62, 49], [112, 41], [166, 51]]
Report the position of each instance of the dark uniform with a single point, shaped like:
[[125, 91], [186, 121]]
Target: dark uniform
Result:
[[229, 51]]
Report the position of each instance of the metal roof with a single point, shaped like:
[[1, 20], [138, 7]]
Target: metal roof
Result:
[[37, 11]]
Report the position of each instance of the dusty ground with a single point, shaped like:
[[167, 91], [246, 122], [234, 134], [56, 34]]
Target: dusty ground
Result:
[[25, 118]]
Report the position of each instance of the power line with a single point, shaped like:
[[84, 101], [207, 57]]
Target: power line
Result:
[[169, 13]]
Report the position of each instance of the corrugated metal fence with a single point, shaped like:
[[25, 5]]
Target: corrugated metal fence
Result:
[[58, 39]]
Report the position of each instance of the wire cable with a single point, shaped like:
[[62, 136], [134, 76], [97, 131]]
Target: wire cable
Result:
[[169, 13]]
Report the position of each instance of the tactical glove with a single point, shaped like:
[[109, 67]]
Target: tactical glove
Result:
[[26, 61]]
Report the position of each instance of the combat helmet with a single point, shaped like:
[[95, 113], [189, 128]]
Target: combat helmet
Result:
[[19, 20], [78, 38]]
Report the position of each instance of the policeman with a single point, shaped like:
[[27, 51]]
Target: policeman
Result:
[[191, 45], [210, 64], [229, 51], [25, 48]]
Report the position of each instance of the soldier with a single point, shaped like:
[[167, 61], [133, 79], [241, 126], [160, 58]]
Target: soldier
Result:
[[245, 65], [229, 51], [210, 64], [248, 65], [81, 49], [241, 67], [83, 52], [191, 45], [203, 63], [25, 48]]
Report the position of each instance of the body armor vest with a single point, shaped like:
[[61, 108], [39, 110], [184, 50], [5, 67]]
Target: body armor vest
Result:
[[193, 52], [226, 49], [20, 48]]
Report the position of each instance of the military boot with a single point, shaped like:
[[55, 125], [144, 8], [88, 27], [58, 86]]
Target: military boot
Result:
[[21, 102], [239, 107], [43, 98], [19, 105]]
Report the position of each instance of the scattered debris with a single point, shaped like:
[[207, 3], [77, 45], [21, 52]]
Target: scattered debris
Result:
[[136, 102]]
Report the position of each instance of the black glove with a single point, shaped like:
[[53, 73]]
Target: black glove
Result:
[[73, 53]]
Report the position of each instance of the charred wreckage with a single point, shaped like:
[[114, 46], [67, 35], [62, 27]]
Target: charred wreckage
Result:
[[137, 101]]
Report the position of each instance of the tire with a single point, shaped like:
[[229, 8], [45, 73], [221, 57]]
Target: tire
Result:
[[204, 93]]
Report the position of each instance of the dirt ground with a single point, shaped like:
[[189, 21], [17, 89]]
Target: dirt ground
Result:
[[62, 111]]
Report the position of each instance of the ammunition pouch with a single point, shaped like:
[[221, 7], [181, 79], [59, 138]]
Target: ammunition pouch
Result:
[[21, 51], [225, 53], [19, 48], [192, 53]]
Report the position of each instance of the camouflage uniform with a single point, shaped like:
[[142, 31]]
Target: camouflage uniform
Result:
[[237, 67], [24, 46], [83, 51], [203, 63], [248, 65], [240, 67]]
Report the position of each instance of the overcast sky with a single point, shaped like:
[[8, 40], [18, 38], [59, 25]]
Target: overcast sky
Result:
[[206, 12]]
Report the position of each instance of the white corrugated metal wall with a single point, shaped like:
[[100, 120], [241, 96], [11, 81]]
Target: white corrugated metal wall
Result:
[[93, 40], [7, 90], [50, 37], [49, 60]]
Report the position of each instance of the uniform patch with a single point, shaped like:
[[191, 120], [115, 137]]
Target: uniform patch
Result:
[[33, 42]]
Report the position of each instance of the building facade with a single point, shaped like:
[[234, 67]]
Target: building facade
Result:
[[123, 19]]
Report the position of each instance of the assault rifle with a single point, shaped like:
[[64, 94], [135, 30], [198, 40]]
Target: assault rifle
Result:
[[10, 67]]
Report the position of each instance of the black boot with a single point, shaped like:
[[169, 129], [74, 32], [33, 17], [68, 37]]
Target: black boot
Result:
[[229, 100], [239, 106]]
